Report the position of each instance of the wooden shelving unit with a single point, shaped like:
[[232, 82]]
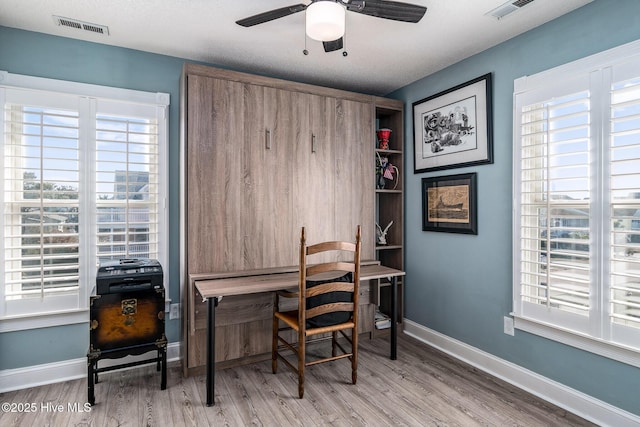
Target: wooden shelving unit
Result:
[[389, 206]]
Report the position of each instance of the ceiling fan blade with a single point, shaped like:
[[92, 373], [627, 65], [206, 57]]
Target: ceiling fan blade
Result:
[[271, 15], [388, 9], [334, 45]]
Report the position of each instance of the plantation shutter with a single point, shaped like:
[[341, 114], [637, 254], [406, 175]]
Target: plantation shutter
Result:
[[624, 166], [42, 202], [555, 203], [577, 200], [127, 181]]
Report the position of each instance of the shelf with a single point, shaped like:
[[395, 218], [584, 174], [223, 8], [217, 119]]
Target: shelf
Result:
[[386, 284], [388, 247], [388, 151]]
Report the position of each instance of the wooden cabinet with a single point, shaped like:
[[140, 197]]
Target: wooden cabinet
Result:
[[261, 158], [389, 203]]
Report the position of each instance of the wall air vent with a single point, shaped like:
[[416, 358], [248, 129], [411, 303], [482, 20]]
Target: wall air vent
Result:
[[80, 25], [507, 8]]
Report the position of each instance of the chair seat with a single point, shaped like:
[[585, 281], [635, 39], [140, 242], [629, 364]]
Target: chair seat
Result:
[[291, 319]]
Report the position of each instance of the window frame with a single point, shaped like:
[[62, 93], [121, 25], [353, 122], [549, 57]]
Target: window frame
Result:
[[595, 333], [88, 95]]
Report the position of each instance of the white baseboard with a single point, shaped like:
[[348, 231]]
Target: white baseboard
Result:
[[565, 397], [49, 373]]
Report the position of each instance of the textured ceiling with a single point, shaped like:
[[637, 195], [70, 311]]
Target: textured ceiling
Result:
[[383, 55]]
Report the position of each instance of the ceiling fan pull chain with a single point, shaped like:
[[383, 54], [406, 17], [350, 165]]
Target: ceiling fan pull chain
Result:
[[344, 39], [305, 51]]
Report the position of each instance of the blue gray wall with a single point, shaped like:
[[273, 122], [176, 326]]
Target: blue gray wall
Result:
[[460, 285], [35, 54], [457, 285]]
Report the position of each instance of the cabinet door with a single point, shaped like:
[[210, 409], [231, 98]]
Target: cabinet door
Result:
[[279, 235], [313, 168], [355, 173], [214, 174], [256, 197]]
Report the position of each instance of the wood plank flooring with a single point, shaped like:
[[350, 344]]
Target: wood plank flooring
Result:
[[424, 387]]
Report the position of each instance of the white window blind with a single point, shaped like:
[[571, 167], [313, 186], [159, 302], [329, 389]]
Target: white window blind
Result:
[[84, 180], [555, 180], [127, 184], [625, 206], [41, 203], [577, 199]]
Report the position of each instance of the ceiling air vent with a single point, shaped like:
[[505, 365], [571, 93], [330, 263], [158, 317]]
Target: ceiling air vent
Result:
[[507, 8], [80, 25]]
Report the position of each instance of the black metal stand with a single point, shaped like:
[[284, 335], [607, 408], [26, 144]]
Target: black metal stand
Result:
[[94, 357]]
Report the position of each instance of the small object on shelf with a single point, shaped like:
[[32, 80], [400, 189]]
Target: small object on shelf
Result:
[[384, 172], [382, 234], [383, 138], [382, 321]]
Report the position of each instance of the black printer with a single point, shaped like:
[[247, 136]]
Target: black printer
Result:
[[128, 275]]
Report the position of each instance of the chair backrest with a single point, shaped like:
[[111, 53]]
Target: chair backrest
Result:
[[328, 291]]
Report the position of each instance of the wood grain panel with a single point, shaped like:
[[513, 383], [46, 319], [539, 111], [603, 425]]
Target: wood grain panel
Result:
[[214, 175], [254, 167], [237, 309], [279, 244], [243, 339], [355, 173], [234, 76], [314, 172]]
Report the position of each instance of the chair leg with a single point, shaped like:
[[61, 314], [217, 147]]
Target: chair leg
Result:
[[274, 346], [334, 338], [354, 358], [301, 363]]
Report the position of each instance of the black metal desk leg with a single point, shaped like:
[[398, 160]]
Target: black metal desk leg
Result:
[[394, 318], [212, 303]]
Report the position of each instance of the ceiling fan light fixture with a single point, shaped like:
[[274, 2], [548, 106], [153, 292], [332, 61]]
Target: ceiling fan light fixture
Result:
[[325, 20]]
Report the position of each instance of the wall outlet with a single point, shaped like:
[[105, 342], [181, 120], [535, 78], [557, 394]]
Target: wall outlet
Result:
[[508, 325], [175, 312]]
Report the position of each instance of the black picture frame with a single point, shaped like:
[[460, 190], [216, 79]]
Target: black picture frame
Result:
[[453, 128], [449, 204]]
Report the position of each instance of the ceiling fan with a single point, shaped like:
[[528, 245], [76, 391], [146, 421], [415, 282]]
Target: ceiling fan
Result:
[[325, 19]]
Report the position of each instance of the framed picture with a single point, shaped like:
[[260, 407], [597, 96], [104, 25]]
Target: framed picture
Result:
[[449, 204], [454, 128]]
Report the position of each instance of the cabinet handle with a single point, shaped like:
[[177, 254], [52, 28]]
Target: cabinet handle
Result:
[[313, 143], [267, 139]]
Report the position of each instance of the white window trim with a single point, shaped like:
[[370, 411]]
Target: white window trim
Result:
[[603, 348], [161, 100], [585, 342]]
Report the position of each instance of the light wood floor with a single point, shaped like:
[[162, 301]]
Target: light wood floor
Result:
[[424, 387]]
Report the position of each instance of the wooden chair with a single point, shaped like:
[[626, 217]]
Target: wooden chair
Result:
[[327, 303]]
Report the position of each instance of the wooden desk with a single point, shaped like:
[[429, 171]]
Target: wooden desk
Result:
[[212, 287]]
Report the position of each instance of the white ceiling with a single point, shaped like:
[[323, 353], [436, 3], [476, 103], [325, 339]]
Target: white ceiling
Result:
[[383, 55]]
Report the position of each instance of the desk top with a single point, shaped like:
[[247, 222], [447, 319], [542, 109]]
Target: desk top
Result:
[[269, 280]]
